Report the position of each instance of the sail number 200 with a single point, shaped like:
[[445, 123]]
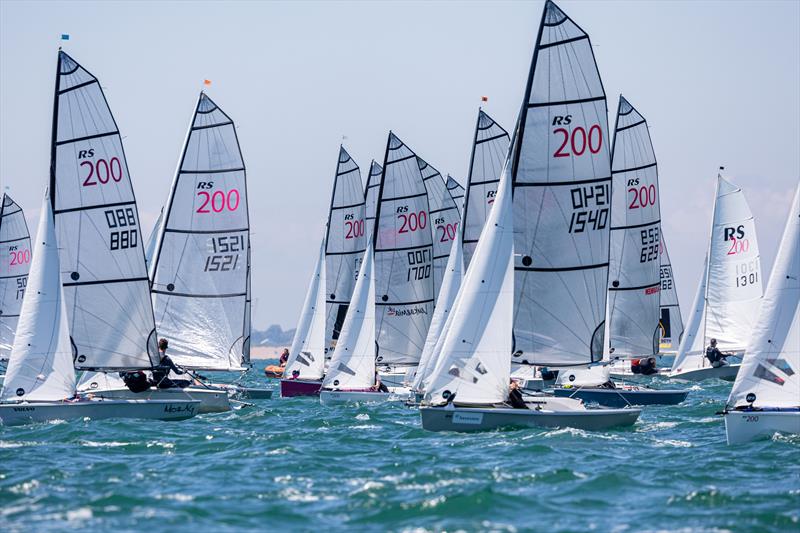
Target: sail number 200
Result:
[[578, 141]]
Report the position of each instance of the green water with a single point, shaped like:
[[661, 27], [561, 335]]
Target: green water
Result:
[[291, 464]]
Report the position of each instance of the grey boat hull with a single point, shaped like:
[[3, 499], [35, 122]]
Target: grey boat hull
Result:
[[488, 418], [622, 398], [746, 426], [31, 412], [210, 400], [725, 372]]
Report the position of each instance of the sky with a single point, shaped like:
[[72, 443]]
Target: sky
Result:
[[719, 84]]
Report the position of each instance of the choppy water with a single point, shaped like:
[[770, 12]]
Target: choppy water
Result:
[[292, 464]]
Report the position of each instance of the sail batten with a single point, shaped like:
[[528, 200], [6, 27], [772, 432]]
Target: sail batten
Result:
[[104, 276], [201, 265]]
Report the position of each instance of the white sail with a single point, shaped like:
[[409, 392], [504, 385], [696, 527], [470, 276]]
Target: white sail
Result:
[[150, 248], [40, 366], [345, 243], [307, 353], [454, 273], [730, 293], [474, 361], [444, 219], [105, 281], [371, 197], [670, 321], [456, 191], [353, 361], [770, 373], [15, 262], [199, 269], [489, 150], [403, 259], [633, 280], [562, 199], [248, 305]]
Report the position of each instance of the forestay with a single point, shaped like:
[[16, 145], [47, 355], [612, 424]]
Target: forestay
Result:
[[456, 191], [444, 219], [307, 353], [200, 267], [40, 366], [103, 270], [474, 361], [670, 322], [489, 150], [371, 197], [345, 243], [729, 295], [353, 362], [403, 259], [770, 373], [562, 198], [15, 243], [634, 284]]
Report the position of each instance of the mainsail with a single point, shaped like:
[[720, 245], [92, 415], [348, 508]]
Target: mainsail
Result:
[[456, 191], [670, 320], [40, 366], [344, 244], [106, 287], [307, 354], [730, 292], [770, 373], [489, 150], [444, 219], [200, 267], [353, 361], [371, 197], [403, 252], [634, 284], [562, 197], [15, 243]]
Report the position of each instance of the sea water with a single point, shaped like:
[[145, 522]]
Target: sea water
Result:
[[291, 464]]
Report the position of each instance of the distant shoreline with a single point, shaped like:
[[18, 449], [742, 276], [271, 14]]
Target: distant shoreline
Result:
[[262, 353]]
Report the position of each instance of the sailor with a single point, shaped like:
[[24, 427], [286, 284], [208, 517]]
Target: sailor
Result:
[[714, 356], [165, 365], [515, 396], [379, 385], [284, 357]]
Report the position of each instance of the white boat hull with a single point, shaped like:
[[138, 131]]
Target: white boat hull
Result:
[[745, 426], [30, 412], [451, 418], [211, 400], [725, 372], [331, 397]]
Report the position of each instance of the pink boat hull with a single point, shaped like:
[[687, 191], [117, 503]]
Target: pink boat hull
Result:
[[299, 387]]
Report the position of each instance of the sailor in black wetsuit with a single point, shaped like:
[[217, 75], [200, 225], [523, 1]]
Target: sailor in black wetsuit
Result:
[[515, 396], [714, 356], [161, 372]]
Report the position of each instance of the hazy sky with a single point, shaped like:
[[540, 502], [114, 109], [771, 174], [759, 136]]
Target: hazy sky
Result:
[[719, 83]]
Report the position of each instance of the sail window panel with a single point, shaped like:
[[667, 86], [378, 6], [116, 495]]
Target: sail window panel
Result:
[[203, 332], [566, 73], [554, 151], [92, 172], [83, 112], [201, 264]]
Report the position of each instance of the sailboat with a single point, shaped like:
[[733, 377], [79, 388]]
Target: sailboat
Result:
[[305, 367], [529, 252], [729, 293], [16, 246], [765, 398], [105, 281], [403, 255], [40, 382], [444, 218], [634, 284], [456, 191]]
